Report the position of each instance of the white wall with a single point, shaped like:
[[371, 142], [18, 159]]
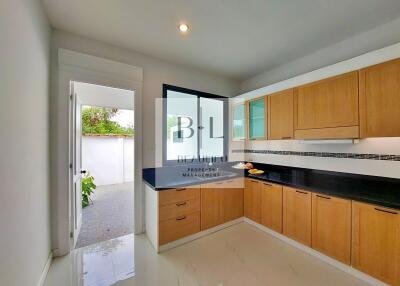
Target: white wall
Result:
[[108, 159], [379, 37], [24, 164], [156, 72]]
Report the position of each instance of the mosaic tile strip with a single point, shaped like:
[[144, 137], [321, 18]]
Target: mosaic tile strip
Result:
[[383, 157]]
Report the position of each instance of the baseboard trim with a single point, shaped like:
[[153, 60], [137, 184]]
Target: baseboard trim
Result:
[[198, 235], [341, 266], [46, 268]]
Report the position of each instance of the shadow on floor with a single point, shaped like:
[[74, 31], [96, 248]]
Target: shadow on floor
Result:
[[110, 215]]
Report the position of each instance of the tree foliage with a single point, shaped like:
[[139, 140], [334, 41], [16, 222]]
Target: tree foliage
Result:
[[97, 120]]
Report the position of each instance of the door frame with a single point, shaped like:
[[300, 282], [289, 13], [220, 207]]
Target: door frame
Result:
[[74, 66]]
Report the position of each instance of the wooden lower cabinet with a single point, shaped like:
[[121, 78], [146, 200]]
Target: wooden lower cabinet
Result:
[[178, 213], [221, 202], [233, 204], [331, 226], [179, 227], [297, 215], [252, 199], [271, 206], [376, 242]]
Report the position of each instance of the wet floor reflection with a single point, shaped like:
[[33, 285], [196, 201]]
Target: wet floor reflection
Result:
[[105, 263]]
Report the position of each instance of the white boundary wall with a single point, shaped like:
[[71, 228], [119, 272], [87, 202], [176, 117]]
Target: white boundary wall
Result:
[[108, 159]]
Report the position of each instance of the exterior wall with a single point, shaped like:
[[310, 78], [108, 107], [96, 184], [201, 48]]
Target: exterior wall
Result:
[[24, 153], [108, 159]]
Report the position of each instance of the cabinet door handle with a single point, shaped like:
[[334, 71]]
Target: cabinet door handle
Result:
[[385, 211], [253, 181], [180, 204], [181, 218], [287, 137], [300, 192], [180, 189], [219, 183], [267, 184], [323, 197]]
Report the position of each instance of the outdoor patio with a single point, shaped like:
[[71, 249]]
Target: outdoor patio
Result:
[[110, 215]]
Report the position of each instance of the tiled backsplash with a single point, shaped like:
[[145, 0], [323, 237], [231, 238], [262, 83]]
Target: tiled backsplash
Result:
[[373, 156]]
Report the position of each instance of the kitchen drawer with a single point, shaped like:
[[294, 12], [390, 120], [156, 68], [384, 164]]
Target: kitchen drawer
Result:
[[179, 195], [179, 227], [178, 209], [226, 184]]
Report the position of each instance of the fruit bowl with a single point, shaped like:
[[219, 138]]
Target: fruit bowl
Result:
[[256, 172]]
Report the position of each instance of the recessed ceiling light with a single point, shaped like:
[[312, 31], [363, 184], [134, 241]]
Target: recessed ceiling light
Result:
[[183, 28]]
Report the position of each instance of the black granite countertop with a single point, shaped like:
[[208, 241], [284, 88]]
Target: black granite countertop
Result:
[[185, 175], [370, 189]]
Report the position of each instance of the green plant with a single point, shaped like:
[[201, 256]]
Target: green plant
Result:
[[87, 189], [97, 120]]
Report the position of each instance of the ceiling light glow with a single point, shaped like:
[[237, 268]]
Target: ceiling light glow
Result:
[[183, 28]]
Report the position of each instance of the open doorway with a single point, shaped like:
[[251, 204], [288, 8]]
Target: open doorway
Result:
[[103, 163]]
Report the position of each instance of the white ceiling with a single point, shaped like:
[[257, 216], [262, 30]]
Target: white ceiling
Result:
[[236, 38]]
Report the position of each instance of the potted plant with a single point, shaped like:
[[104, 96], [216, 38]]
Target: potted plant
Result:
[[87, 189]]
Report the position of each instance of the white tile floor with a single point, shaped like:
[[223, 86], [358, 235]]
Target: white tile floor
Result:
[[239, 255]]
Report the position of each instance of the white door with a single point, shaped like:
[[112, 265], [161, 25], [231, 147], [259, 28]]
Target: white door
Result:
[[76, 159]]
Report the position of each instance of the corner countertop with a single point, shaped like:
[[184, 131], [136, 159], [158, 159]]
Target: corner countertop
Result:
[[369, 189]]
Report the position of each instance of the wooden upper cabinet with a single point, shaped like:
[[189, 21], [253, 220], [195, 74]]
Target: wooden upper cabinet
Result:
[[380, 100], [331, 226], [271, 206], [297, 215], [252, 199], [376, 242], [257, 118], [328, 108], [280, 115]]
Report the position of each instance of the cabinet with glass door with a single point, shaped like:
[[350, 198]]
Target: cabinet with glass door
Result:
[[257, 118], [239, 122]]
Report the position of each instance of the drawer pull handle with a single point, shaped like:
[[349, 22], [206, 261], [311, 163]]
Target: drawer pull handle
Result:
[[287, 137], [219, 183], [230, 181], [267, 184], [181, 218], [253, 181], [180, 204], [385, 211], [300, 192], [323, 197], [180, 189]]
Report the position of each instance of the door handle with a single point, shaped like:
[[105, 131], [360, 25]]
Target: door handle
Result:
[[181, 218], [323, 197], [83, 171], [385, 211]]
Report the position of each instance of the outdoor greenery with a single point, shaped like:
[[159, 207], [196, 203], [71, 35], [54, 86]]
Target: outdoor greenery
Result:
[[97, 120], [87, 189]]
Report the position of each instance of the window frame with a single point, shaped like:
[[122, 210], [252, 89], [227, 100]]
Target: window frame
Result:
[[199, 94]]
